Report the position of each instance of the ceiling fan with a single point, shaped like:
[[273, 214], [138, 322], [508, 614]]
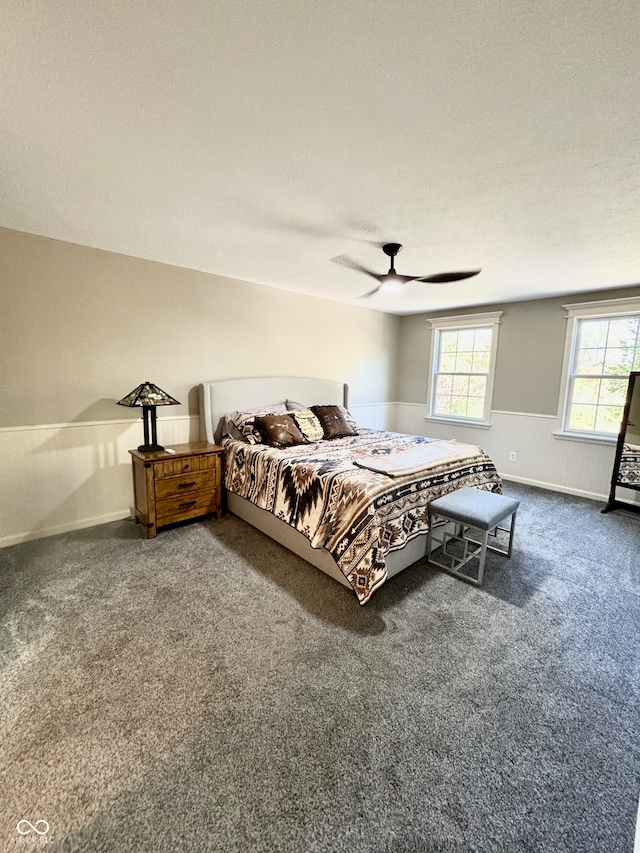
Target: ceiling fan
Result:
[[391, 282]]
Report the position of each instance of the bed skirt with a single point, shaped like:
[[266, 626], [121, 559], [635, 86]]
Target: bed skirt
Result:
[[295, 541]]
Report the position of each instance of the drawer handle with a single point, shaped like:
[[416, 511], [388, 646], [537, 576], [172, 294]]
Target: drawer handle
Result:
[[186, 504], [186, 485]]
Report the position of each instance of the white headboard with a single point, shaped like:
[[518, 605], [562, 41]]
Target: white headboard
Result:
[[221, 396]]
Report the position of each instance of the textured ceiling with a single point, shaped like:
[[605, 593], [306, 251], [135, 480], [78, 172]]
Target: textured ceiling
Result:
[[271, 141]]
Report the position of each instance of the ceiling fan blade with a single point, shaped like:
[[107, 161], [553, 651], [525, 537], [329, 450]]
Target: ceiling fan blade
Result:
[[443, 277], [369, 293], [345, 261]]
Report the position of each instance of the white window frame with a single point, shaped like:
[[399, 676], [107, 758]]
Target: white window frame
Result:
[[463, 321], [576, 311]]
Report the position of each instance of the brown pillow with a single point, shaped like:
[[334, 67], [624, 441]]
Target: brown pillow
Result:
[[333, 421], [279, 430], [245, 423]]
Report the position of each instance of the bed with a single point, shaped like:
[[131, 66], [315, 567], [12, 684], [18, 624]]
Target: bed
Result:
[[354, 506]]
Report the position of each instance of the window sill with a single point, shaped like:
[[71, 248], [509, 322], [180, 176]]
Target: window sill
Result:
[[458, 422], [585, 438]]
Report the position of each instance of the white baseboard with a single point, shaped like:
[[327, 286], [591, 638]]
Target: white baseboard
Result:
[[554, 487], [79, 524]]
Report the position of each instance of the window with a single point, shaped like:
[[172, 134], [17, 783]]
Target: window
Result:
[[603, 345], [462, 367]]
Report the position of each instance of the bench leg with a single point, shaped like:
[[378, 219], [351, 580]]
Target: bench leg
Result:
[[482, 558]]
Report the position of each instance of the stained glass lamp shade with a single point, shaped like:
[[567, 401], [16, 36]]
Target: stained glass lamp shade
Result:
[[148, 396]]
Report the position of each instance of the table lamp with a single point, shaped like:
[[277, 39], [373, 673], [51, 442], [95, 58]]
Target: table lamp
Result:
[[148, 396]]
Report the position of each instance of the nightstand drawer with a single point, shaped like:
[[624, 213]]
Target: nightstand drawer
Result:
[[190, 463], [176, 486], [185, 506]]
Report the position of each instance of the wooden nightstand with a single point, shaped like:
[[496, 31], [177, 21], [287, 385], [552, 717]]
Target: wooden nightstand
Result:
[[170, 487]]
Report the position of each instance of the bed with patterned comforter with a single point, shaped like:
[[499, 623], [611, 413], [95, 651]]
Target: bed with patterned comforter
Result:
[[359, 497]]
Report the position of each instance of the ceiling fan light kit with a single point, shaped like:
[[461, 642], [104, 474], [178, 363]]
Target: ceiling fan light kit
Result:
[[391, 282]]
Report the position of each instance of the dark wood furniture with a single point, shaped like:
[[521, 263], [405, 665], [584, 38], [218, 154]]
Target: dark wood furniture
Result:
[[180, 482]]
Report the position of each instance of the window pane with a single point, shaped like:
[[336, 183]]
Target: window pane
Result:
[[482, 340], [586, 391], [443, 385], [464, 360], [582, 417], [618, 360], [480, 363], [590, 361], [593, 333], [448, 341], [608, 419], [460, 385], [459, 406], [465, 340], [477, 386], [443, 404], [613, 392], [623, 333], [475, 407], [448, 362]]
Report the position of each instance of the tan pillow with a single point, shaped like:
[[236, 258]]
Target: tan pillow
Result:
[[333, 421], [308, 424], [279, 430]]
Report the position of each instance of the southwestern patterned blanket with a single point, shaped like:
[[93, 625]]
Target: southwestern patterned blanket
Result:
[[359, 515]]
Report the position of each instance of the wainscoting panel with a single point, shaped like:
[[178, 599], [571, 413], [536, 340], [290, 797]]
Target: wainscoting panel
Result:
[[375, 416], [576, 467], [60, 477]]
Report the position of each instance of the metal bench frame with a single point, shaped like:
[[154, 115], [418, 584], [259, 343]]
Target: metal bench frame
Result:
[[459, 534]]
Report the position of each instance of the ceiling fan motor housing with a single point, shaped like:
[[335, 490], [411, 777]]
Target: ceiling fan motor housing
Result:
[[391, 249]]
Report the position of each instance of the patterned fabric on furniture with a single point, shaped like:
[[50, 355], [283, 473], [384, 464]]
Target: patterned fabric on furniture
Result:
[[245, 422], [308, 424], [279, 430], [333, 421], [629, 471]]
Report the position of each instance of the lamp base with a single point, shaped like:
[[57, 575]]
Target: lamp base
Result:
[[150, 448]]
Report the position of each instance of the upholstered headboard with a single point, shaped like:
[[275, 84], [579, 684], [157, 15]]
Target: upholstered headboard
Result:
[[221, 396]]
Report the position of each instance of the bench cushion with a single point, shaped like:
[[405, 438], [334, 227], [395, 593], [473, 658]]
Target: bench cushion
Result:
[[475, 507]]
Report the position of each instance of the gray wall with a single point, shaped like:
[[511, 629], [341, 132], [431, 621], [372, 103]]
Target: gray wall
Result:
[[529, 358], [80, 328]]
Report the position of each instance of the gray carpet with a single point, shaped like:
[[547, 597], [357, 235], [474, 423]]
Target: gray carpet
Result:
[[207, 690]]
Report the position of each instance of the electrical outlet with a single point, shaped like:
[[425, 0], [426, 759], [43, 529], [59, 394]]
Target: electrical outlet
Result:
[[512, 456]]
